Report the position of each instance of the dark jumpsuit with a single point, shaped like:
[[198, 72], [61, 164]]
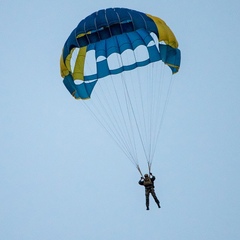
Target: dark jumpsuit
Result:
[[149, 188]]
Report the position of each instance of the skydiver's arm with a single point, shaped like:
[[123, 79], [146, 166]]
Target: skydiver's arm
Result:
[[153, 178], [141, 181]]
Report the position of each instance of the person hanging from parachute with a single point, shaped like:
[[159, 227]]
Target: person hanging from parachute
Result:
[[105, 62], [148, 182]]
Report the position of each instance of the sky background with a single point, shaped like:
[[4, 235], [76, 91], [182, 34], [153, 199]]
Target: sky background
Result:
[[62, 176]]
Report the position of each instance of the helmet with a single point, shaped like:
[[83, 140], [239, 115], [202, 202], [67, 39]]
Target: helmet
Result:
[[146, 175]]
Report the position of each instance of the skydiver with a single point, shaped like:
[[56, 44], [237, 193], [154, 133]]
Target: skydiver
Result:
[[148, 183]]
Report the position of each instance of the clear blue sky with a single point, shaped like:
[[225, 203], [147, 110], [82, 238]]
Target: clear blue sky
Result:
[[62, 177]]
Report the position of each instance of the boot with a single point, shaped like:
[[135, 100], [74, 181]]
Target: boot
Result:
[[147, 203], [158, 203]]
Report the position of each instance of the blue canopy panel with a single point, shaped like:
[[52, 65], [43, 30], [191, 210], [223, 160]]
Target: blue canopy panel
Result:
[[79, 91], [121, 53], [112, 56], [106, 23], [115, 21], [170, 56]]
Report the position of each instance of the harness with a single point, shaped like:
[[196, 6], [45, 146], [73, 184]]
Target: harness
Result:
[[147, 182]]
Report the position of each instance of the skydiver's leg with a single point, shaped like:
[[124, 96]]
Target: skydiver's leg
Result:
[[155, 197], [147, 192]]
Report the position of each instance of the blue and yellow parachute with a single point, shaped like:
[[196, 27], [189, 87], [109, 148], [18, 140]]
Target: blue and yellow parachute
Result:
[[112, 42], [115, 30]]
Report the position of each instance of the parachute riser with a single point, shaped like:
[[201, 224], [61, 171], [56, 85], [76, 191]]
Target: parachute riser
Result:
[[139, 170]]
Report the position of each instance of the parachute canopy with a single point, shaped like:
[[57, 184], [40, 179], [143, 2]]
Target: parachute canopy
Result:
[[117, 57], [107, 35]]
